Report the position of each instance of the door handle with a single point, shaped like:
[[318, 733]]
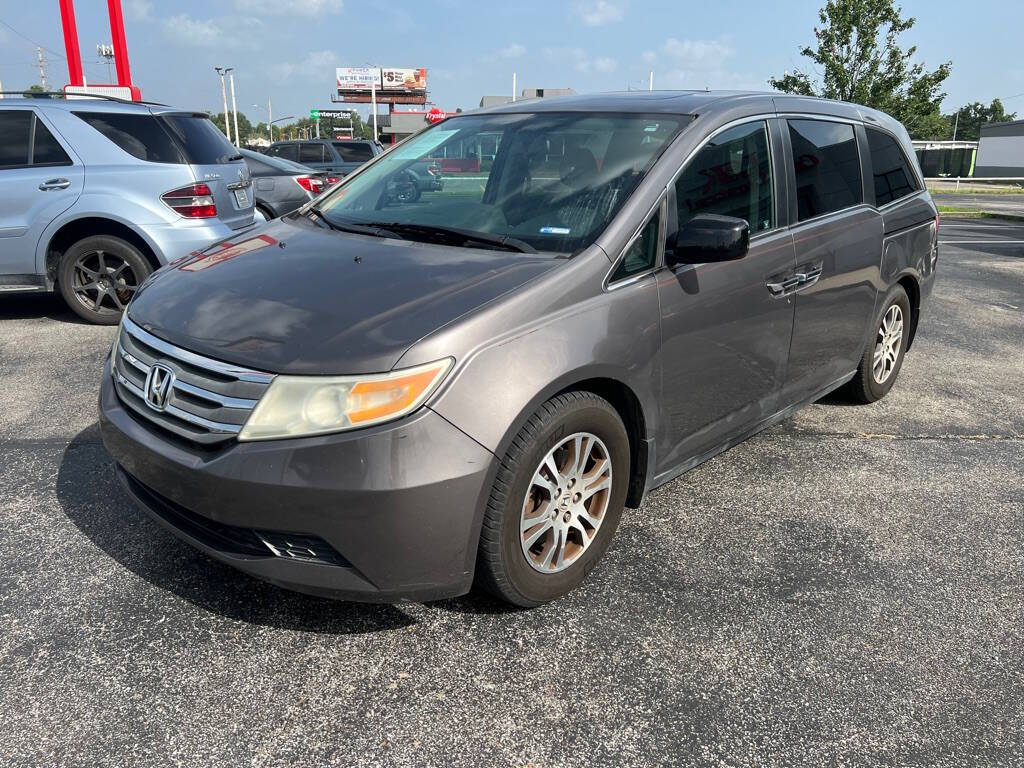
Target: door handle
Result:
[[782, 287], [54, 184]]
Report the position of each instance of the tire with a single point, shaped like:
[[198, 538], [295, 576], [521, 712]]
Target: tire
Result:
[[99, 275], [871, 382], [505, 565]]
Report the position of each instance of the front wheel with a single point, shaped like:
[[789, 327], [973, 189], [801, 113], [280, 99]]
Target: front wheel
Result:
[[99, 275], [556, 501], [884, 352]]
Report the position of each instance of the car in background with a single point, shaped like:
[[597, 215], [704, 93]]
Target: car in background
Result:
[[280, 186], [337, 156], [96, 193]]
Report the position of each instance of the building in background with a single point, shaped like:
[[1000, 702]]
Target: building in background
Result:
[[1001, 150], [946, 158]]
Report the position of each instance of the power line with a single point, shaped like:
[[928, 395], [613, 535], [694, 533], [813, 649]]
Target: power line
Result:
[[29, 39]]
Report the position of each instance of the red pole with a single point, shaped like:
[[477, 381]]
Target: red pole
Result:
[[124, 73], [67, 20]]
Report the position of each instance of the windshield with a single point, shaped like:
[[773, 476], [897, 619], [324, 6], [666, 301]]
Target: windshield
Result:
[[551, 180]]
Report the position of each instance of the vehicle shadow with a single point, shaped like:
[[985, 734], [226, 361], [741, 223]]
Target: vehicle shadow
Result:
[[94, 502], [34, 306]]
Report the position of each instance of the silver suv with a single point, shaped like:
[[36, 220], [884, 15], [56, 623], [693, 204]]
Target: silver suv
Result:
[[95, 194]]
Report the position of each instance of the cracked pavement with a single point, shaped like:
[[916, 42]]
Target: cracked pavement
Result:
[[843, 589]]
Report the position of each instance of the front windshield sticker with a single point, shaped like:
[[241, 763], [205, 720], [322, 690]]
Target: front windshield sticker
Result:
[[555, 230], [417, 149]]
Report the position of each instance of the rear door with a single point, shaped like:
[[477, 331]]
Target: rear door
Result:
[[838, 239], [39, 180], [216, 163], [313, 154]]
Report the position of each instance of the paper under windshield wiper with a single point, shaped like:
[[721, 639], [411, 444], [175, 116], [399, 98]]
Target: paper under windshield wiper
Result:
[[357, 229], [454, 235]]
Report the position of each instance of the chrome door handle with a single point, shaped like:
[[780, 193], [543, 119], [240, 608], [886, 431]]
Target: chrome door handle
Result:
[[54, 184], [782, 287]]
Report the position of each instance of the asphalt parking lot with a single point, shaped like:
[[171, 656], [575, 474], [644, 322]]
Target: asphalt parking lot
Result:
[[843, 589]]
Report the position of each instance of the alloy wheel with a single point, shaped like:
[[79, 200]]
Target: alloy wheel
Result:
[[566, 502], [104, 281], [887, 344]]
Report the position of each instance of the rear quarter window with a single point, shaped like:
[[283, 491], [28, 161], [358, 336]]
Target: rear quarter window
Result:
[[15, 127], [140, 135], [890, 169], [201, 140], [355, 152]]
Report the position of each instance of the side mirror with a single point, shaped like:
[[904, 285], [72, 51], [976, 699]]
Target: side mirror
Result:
[[708, 237]]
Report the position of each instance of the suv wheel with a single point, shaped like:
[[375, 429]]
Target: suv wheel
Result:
[[883, 354], [556, 501], [99, 275]]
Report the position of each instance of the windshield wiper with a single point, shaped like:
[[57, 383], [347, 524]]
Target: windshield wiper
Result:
[[454, 235], [356, 229]]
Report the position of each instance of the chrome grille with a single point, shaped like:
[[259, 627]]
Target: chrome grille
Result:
[[208, 401]]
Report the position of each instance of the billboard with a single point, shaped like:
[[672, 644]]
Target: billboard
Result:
[[411, 81], [387, 80], [357, 79]]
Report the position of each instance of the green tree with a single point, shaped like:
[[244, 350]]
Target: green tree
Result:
[[34, 89], [857, 57], [245, 128], [974, 115]]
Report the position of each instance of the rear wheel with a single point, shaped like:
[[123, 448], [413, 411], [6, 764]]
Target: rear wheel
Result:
[[556, 501], [884, 352], [99, 275]]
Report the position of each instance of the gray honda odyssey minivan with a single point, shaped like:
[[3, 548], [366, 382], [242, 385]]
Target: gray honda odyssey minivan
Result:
[[381, 398]]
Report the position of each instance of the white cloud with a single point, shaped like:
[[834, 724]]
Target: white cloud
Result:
[[581, 61], [513, 51], [198, 33], [650, 56], [605, 64], [138, 10], [309, 8], [697, 54], [317, 64], [597, 13]]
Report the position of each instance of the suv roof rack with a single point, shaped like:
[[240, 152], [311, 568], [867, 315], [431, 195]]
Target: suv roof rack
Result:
[[26, 94]]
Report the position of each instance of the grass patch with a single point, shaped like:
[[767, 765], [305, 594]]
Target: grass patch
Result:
[[975, 190]]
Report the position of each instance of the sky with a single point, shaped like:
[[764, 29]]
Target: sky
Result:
[[287, 50]]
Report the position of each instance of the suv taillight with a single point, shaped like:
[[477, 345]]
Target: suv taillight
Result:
[[312, 184], [193, 202]]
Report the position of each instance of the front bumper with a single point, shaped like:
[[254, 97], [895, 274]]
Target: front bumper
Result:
[[398, 507]]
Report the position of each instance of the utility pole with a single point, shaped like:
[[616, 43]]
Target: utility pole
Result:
[[650, 83], [234, 105], [224, 96], [270, 120], [42, 67], [956, 123], [373, 101], [513, 86]]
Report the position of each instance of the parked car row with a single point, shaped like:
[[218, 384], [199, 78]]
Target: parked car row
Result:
[[96, 193]]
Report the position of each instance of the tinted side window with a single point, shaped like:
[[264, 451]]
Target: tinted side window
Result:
[[354, 152], [287, 151], [15, 126], [827, 167], [731, 176], [46, 150], [311, 153], [889, 166], [202, 141], [139, 135], [641, 254]]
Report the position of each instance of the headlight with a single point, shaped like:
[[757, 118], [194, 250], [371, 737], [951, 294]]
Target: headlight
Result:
[[297, 406]]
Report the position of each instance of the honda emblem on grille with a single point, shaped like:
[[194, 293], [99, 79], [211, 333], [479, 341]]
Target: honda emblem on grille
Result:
[[159, 381]]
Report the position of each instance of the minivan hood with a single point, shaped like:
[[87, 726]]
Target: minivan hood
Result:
[[292, 297]]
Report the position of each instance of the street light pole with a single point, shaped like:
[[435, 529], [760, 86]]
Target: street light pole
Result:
[[234, 105], [224, 95]]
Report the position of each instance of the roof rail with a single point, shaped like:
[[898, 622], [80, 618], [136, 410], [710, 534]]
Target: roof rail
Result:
[[27, 94]]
